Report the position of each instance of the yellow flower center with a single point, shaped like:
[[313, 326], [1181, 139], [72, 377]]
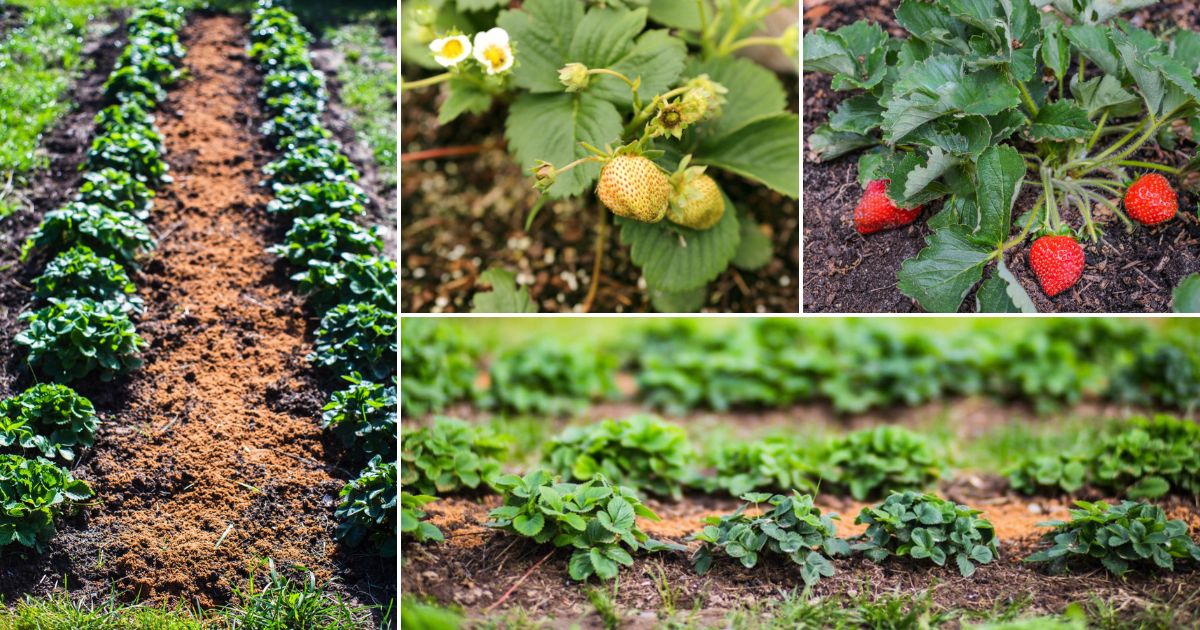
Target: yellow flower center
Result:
[[452, 48], [495, 56]]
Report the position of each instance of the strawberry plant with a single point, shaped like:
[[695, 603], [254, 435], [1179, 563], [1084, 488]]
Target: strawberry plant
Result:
[[57, 419], [363, 417], [109, 233], [770, 464], [75, 338], [439, 366], [326, 237], [923, 526], [367, 508], [310, 198], [1165, 374], [33, 492], [412, 519], [126, 114], [450, 455], [1057, 472], [792, 528], [348, 278], [983, 100], [311, 162], [134, 150], [116, 190], [643, 104], [357, 337], [877, 461], [80, 273], [1125, 537], [641, 452], [547, 377], [594, 518]]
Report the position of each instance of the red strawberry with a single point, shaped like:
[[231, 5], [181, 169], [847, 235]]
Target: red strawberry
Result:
[[1057, 261], [1150, 200], [876, 212]]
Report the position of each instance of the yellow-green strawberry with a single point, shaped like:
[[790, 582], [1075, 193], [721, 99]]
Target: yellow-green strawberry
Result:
[[633, 187], [699, 205]]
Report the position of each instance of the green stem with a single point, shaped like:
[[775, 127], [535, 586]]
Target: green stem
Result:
[[1025, 96], [649, 109], [1158, 167], [1081, 67], [1099, 129], [433, 80], [754, 41], [1052, 220], [1009, 244]]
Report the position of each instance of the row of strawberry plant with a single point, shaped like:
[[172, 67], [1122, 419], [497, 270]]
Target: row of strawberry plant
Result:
[[343, 275], [981, 100], [854, 366], [83, 327]]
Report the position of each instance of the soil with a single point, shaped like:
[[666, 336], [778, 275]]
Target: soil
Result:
[[211, 456], [477, 565], [850, 273], [461, 216], [11, 17]]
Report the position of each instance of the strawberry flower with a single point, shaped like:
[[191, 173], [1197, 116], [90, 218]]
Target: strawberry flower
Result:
[[449, 51], [493, 50]]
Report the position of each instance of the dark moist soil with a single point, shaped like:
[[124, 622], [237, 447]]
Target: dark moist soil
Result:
[[10, 17], [850, 273], [216, 439], [461, 216], [477, 565]]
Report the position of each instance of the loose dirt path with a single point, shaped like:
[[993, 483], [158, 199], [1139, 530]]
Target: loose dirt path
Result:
[[218, 458]]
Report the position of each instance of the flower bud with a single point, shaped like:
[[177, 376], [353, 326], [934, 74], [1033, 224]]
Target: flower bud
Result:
[[574, 76]]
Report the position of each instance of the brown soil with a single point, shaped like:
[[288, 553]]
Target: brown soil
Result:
[[477, 565], [850, 273], [461, 216], [216, 439]]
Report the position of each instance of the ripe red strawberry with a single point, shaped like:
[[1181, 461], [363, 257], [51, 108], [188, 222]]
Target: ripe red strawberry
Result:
[[633, 187], [876, 212], [1150, 200], [1057, 261]]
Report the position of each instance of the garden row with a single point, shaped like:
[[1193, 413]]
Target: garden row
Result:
[[344, 278], [82, 325], [854, 366]]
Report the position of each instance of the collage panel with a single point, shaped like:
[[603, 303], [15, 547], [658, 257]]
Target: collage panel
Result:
[[1001, 157], [752, 473], [198, 304], [583, 156]]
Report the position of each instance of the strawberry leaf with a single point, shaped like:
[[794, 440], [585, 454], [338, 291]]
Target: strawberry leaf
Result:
[[763, 150], [675, 258], [1186, 296], [550, 127], [505, 296], [1061, 120], [942, 274]]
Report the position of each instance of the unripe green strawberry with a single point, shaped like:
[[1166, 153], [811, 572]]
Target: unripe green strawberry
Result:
[[1150, 200], [1057, 261], [699, 205], [875, 212], [633, 187]]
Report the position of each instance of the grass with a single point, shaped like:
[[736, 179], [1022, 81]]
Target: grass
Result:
[[369, 91]]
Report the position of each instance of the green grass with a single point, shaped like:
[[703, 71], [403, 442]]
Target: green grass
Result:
[[369, 91]]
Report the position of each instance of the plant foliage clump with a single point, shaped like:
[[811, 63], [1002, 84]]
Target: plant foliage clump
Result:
[[439, 366], [33, 492], [770, 464], [363, 416], [326, 237], [923, 526], [595, 518], [348, 278], [109, 233], [873, 462], [57, 419], [548, 377], [367, 508], [412, 519], [117, 190], [449, 455], [71, 339], [641, 452], [80, 273], [310, 198], [1124, 537], [792, 527], [357, 337]]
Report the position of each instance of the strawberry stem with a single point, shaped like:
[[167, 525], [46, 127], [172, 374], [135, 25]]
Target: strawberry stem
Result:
[[426, 82], [1099, 128], [1150, 165]]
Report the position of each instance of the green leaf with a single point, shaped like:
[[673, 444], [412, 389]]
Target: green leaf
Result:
[[826, 144], [688, 301], [1186, 296], [621, 513], [858, 114], [754, 92], [605, 568], [763, 150], [504, 296], [1061, 120], [1001, 293], [656, 58], [754, 247], [1105, 92], [529, 525], [1056, 49], [1149, 487], [550, 127], [942, 274], [580, 565], [464, 97], [1094, 43], [478, 5], [1000, 172], [675, 258], [688, 15], [964, 565], [542, 31], [915, 179]]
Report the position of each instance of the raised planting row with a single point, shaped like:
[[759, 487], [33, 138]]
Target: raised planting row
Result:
[[82, 325], [977, 103], [1138, 458], [342, 274], [854, 366]]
